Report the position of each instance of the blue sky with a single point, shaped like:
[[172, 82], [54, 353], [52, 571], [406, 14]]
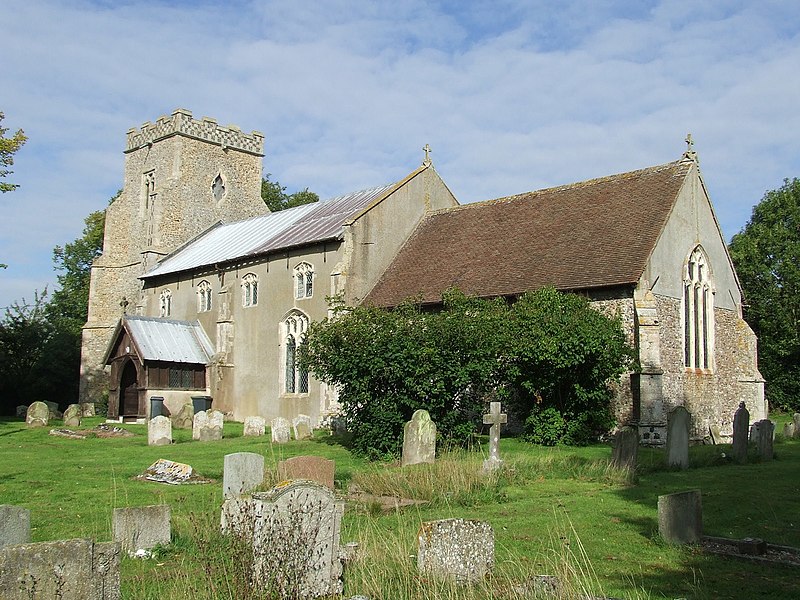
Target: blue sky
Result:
[[511, 95]]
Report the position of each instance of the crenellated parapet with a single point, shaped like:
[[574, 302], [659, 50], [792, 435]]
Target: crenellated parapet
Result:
[[206, 129]]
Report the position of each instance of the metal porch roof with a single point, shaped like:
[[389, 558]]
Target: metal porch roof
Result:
[[169, 340]]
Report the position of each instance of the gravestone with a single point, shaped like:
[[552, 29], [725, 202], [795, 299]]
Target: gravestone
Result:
[[302, 427], [678, 421], [763, 435], [296, 540], [141, 528], [22, 411], [185, 417], [53, 407], [200, 419], [159, 431], [741, 425], [254, 426], [456, 549], [715, 434], [207, 426], [281, 430], [796, 423], [680, 517], [88, 409], [625, 454], [72, 416], [242, 473], [15, 525], [66, 570], [419, 439], [495, 418], [37, 415], [173, 473], [788, 430], [313, 468]]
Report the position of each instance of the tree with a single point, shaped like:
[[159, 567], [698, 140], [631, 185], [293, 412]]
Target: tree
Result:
[[766, 254], [275, 197], [8, 147]]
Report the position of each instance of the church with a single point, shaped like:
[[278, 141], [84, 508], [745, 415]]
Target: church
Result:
[[201, 291]]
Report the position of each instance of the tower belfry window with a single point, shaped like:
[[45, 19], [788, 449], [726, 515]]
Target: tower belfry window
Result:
[[218, 188]]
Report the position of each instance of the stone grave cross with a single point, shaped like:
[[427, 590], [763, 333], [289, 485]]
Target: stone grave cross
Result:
[[494, 418]]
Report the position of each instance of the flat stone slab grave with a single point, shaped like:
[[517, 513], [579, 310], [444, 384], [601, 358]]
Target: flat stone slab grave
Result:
[[456, 549], [142, 528], [174, 473], [752, 549]]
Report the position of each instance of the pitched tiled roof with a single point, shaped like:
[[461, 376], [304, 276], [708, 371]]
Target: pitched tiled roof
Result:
[[596, 233]]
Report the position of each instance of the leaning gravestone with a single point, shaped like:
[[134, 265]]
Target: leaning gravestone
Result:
[[15, 525], [141, 528], [38, 415], [763, 435], [456, 549], [312, 468], [185, 417], [419, 439], [242, 473], [495, 418], [65, 570], [208, 426], [680, 517], [159, 431], [715, 434], [281, 430], [254, 426], [741, 425], [678, 421], [296, 540], [302, 427], [72, 416], [625, 454], [173, 473]]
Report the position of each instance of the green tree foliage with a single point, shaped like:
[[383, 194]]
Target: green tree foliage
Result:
[[766, 254], [8, 147], [548, 349], [275, 197]]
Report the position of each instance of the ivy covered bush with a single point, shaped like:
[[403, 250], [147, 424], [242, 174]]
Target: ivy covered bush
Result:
[[549, 355]]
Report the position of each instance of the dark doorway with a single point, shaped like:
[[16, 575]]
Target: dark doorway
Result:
[[129, 391]]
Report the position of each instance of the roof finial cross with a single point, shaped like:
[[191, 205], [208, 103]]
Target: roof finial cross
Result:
[[690, 152], [124, 304], [427, 160]]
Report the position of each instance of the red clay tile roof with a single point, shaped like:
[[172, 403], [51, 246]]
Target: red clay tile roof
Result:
[[596, 233]]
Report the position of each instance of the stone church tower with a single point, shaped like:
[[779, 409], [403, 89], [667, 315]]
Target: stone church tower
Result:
[[182, 175]]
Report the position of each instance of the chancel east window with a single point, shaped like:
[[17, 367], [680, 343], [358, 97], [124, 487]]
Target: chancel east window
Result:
[[303, 281], [165, 303], [250, 290], [203, 296], [293, 331], [698, 312]]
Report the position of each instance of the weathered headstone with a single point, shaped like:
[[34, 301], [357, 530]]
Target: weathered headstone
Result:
[[67, 569], [678, 421], [456, 549], [313, 468], [72, 416], [763, 435], [142, 528], [788, 430], [796, 422], [495, 418], [37, 415], [741, 426], [159, 431], [254, 426], [242, 473], [88, 409], [296, 540], [715, 434], [53, 407], [419, 439], [15, 525], [302, 427], [625, 454], [184, 419], [207, 426], [199, 420], [680, 517], [281, 430], [22, 411]]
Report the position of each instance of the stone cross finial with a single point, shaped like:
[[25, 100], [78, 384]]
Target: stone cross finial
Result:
[[427, 160], [690, 152], [124, 304], [494, 418]]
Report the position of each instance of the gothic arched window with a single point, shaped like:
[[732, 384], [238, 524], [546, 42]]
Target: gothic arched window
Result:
[[698, 312], [303, 280], [250, 290], [165, 303], [203, 296], [293, 330]]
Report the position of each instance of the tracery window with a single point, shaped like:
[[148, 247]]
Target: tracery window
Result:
[[303, 281], [293, 330], [165, 303], [250, 290], [203, 296], [698, 312]]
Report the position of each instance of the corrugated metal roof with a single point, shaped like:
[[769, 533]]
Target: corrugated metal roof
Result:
[[283, 229], [169, 340]]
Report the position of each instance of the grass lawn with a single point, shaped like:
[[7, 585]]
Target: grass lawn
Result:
[[554, 510]]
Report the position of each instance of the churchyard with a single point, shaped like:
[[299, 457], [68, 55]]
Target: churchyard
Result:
[[559, 512]]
